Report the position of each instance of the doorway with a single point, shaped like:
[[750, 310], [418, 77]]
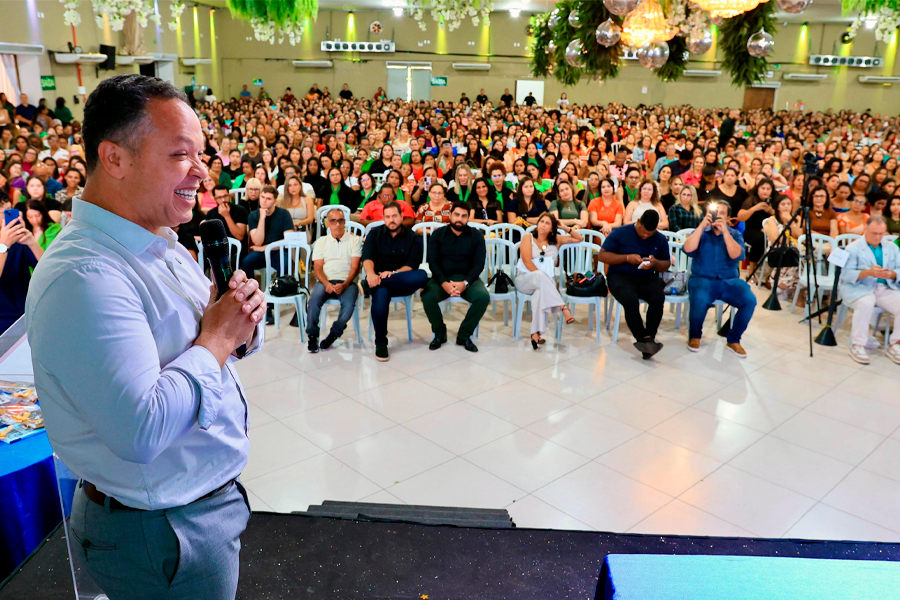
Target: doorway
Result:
[[409, 80], [759, 97]]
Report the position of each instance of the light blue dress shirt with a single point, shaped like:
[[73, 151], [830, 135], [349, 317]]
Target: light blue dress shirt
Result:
[[129, 404]]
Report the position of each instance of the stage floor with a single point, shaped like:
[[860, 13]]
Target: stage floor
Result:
[[586, 436], [286, 557]]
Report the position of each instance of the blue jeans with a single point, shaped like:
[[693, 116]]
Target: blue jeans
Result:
[[317, 298], [735, 292], [400, 284], [257, 260]]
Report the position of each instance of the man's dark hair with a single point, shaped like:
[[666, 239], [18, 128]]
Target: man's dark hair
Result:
[[394, 205], [116, 111], [685, 155], [460, 206], [220, 187], [650, 220], [270, 189]]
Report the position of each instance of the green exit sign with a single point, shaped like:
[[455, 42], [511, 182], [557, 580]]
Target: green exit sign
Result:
[[257, 82], [439, 82], [48, 82]]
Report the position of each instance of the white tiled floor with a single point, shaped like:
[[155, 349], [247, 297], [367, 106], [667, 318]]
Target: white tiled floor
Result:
[[585, 436]]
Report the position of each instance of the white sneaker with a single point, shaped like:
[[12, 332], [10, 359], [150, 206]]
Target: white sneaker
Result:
[[893, 353], [859, 354]]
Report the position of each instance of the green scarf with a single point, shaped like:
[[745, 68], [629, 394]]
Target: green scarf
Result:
[[335, 198], [366, 198], [500, 198], [630, 194], [464, 198]]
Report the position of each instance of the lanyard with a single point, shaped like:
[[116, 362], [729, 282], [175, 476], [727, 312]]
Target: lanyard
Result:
[[464, 198]]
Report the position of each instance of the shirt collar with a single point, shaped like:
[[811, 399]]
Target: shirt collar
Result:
[[131, 235]]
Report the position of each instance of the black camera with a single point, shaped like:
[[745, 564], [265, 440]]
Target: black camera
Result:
[[810, 163]]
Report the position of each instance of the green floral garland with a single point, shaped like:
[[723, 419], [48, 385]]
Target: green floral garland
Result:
[[745, 69], [674, 67]]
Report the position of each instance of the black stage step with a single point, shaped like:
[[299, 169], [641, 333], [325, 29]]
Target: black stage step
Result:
[[426, 515]]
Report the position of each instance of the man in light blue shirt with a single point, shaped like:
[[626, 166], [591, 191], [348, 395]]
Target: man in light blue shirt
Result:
[[133, 357], [869, 279]]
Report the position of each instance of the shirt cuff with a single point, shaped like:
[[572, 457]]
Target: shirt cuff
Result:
[[200, 367], [256, 343]]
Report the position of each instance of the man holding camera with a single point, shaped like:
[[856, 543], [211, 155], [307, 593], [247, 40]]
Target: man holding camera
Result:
[[717, 250]]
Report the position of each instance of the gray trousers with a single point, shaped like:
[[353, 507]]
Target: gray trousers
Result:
[[317, 298], [188, 552]]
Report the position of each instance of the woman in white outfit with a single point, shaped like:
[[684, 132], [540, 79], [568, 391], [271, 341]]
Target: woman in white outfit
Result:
[[536, 273]]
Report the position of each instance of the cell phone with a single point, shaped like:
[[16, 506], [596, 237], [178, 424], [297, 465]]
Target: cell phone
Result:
[[10, 215], [427, 182]]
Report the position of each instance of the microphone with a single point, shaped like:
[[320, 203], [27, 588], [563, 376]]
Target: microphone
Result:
[[216, 248]]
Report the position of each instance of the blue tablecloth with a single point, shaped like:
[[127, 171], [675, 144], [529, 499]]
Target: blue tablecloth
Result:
[[29, 501], [665, 577]]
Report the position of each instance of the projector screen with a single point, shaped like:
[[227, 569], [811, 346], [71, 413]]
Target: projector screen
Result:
[[524, 86]]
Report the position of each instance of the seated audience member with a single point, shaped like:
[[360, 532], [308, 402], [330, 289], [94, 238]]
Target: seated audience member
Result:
[[647, 200], [527, 206], [869, 280], [536, 274], [338, 192], [391, 257], [570, 214], [759, 206], [251, 195], [605, 211], [717, 251], [39, 223], [19, 254], [437, 208], [234, 217], [787, 253], [854, 220], [456, 256], [267, 225], [686, 213], [636, 255], [335, 259], [374, 211], [301, 206], [485, 208]]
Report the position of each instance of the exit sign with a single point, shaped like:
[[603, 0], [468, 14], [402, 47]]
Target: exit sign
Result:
[[439, 82], [257, 82]]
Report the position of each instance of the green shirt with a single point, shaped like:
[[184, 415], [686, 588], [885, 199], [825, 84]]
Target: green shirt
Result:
[[49, 235], [239, 182], [64, 115], [225, 179], [879, 259], [567, 210]]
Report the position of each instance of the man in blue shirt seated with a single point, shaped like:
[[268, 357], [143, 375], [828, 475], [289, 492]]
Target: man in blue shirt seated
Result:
[[717, 250], [636, 255]]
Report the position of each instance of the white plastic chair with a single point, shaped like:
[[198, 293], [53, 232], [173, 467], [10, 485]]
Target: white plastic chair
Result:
[[890, 238], [408, 303], [234, 254], [481, 227], [594, 237], [238, 194], [292, 254], [501, 255], [336, 302], [845, 239], [426, 229], [510, 232], [322, 212], [824, 276], [372, 226], [578, 257], [671, 236]]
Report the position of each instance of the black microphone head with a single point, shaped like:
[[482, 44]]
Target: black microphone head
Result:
[[214, 238]]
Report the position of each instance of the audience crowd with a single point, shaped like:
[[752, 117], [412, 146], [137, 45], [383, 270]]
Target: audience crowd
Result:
[[723, 185]]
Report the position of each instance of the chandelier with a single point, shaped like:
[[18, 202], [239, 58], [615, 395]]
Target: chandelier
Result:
[[646, 24], [727, 8]]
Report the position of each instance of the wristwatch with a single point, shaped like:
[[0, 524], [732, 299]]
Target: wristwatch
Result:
[[4, 248]]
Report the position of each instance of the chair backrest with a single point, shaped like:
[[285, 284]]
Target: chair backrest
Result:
[[356, 228], [823, 267], [845, 239], [681, 262], [291, 254], [426, 229], [531, 228], [890, 238], [378, 178], [594, 237], [372, 226], [577, 257], [671, 236], [507, 231], [480, 226], [238, 194], [322, 212], [234, 254], [499, 254], [684, 233], [280, 189]]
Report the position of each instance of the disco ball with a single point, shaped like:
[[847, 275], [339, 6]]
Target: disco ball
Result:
[[793, 6], [553, 21], [575, 19], [573, 53], [653, 55], [699, 42], [609, 33], [760, 44], [621, 7], [551, 47]]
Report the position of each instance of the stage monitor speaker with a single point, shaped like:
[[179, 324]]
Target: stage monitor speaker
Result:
[[110, 63]]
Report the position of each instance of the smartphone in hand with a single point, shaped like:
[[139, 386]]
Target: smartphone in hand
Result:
[[10, 215]]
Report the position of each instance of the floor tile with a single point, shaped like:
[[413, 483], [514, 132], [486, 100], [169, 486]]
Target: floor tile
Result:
[[873, 386], [464, 380], [257, 505], [391, 456], [795, 468], [525, 460], [258, 416], [311, 481], [632, 405], [414, 358], [678, 518], [707, 434], [602, 498], [382, 497], [531, 513], [773, 385], [292, 395], [405, 399], [616, 362], [584, 431], [519, 403], [715, 363], [274, 446], [826, 523], [758, 506], [457, 483], [676, 384], [736, 403], [571, 382], [885, 460], [799, 365], [460, 427], [261, 368], [829, 437], [357, 376], [662, 465], [868, 496], [337, 423], [859, 411]]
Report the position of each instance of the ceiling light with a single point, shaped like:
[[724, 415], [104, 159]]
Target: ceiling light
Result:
[[398, 11], [870, 22], [515, 12]]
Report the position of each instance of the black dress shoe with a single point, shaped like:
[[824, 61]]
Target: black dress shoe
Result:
[[328, 341], [270, 316], [467, 344], [437, 342], [313, 345]]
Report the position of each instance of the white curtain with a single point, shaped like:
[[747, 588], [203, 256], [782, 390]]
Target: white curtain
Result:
[[9, 81]]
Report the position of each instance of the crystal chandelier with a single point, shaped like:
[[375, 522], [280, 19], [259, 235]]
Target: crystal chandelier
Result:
[[645, 24], [728, 8]]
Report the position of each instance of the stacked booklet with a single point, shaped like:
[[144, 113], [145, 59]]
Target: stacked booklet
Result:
[[20, 412]]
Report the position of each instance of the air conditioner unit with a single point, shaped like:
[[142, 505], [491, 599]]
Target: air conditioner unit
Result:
[[313, 64], [8, 48], [831, 60], [193, 62], [68, 58], [701, 73], [773, 85], [804, 76], [472, 66], [340, 46], [877, 79]]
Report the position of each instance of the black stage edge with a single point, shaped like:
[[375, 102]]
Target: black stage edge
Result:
[[293, 556]]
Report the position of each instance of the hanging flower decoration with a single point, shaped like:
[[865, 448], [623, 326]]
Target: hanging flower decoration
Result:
[[275, 19], [176, 7], [646, 24], [452, 13], [116, 11], [689, 18], [71, 16], [887, 20]]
